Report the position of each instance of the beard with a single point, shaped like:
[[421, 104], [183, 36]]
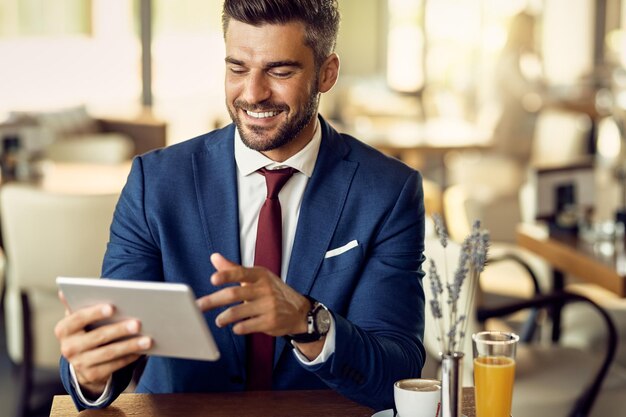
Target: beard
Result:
[[259, 138]]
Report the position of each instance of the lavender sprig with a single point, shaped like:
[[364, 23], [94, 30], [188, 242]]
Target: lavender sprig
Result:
[[478, 248], [435, 303], [471, 263], [440, 230]]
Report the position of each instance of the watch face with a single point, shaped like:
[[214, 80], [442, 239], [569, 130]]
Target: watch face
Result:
[[322, 321]]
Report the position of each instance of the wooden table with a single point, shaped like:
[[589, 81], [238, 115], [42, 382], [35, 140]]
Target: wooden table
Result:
[[575, 257], [570, 255], [416, 142], [240, 404]]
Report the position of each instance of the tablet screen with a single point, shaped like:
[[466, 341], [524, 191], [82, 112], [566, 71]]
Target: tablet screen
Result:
[[167, 311]]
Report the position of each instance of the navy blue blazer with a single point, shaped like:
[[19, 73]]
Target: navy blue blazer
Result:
[[180, 205]]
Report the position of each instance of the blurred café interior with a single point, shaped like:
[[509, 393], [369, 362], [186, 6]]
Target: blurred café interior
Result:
[[513, 111]]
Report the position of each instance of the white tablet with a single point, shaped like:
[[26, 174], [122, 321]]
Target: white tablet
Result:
[[167, 311]]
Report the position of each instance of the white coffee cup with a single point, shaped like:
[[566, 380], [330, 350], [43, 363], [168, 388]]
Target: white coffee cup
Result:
[[417, 397]]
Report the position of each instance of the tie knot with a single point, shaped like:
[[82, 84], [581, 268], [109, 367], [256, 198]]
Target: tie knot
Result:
[[275, 179]]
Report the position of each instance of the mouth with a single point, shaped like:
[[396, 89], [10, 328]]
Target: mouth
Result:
[[262, 115]]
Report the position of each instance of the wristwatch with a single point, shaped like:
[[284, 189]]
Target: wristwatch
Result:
[[318, 323]]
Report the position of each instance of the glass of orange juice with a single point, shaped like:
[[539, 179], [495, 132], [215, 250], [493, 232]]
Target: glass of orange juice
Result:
[[494, 372]]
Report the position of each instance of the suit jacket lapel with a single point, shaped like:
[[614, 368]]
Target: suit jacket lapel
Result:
[[322, 204], [215, 176]]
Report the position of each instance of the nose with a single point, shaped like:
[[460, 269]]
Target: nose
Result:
[[256, 88]]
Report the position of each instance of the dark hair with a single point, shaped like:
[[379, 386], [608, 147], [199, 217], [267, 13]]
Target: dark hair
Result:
[[320, 17]]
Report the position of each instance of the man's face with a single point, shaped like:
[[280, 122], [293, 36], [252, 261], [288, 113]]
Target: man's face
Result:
[[272, 90]]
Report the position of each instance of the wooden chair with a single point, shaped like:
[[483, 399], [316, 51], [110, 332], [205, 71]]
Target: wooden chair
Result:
[[508, 279], [112, 148], [45, 235]]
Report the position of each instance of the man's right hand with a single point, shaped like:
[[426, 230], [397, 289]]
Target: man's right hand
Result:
[[95, 354]]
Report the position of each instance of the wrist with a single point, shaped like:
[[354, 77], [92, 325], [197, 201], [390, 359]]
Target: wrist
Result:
[[303, 312], [92, 391], [316, 325]]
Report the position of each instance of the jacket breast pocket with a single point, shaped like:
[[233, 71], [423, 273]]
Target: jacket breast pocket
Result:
[[342, 258]]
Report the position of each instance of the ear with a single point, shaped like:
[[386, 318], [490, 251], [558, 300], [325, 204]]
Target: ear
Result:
[[329, 72]]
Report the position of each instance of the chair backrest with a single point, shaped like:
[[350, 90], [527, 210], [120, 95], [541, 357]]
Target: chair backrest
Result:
[[46, 235], [561, 137], [99, 148], [498, 213], [2, 277]]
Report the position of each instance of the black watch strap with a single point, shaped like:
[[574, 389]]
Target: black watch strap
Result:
[[313, 334]]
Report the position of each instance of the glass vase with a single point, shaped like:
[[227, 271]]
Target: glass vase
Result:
[[451, 384]]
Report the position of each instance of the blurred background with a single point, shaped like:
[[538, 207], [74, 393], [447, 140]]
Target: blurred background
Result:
[[482, 96]]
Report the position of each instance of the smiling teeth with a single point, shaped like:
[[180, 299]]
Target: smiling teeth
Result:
[[262, 115]]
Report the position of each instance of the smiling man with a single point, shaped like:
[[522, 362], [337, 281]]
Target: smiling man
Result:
[[304, 246], [272, 89]]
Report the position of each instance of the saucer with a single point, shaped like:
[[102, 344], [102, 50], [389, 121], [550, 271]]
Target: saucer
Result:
[[389, 413], [384, 413]]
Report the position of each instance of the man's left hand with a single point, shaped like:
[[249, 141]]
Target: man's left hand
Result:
[[263, 302]]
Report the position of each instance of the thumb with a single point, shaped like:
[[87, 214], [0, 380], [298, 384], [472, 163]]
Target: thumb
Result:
[[220, 263], [64, 301]]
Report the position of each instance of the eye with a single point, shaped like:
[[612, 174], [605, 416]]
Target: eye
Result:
[[236, 69], [281, 73]]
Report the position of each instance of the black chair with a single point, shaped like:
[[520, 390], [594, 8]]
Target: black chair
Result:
[[529, 328], [585, 401], [551, 379]]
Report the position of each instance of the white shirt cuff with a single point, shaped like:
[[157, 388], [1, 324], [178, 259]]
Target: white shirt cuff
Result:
[[101, 400], [327, 350]]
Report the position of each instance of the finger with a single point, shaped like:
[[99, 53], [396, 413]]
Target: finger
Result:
[[220, 263], [100, 336], [230, 272], [226, 296], [64, 302], [234, 275], [255, 325], [98, 364], [264, 308], [114, 351], [77, 321], [238, 313], [101, 372], [269, 324], [241, 275]]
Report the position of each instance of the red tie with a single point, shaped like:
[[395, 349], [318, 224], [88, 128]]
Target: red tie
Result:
[[268, 251]]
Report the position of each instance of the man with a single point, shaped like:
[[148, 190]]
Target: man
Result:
[[343, 306]]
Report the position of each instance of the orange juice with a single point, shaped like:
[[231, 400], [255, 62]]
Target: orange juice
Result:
[[493, 382]]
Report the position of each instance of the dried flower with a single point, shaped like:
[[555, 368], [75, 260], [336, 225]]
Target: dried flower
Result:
[[451, 323], [440, 229]]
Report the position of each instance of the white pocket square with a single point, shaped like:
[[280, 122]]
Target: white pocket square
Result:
[[342, 249]]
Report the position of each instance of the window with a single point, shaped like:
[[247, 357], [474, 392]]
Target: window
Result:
[[446, 50], [44, 17], [69, 65], [188, 66], [67, 52], [405, 45]]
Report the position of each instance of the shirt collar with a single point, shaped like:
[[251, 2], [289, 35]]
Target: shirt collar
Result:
[[249, 160]]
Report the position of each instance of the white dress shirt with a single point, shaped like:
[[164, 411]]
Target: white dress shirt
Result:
[[252, 192]]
